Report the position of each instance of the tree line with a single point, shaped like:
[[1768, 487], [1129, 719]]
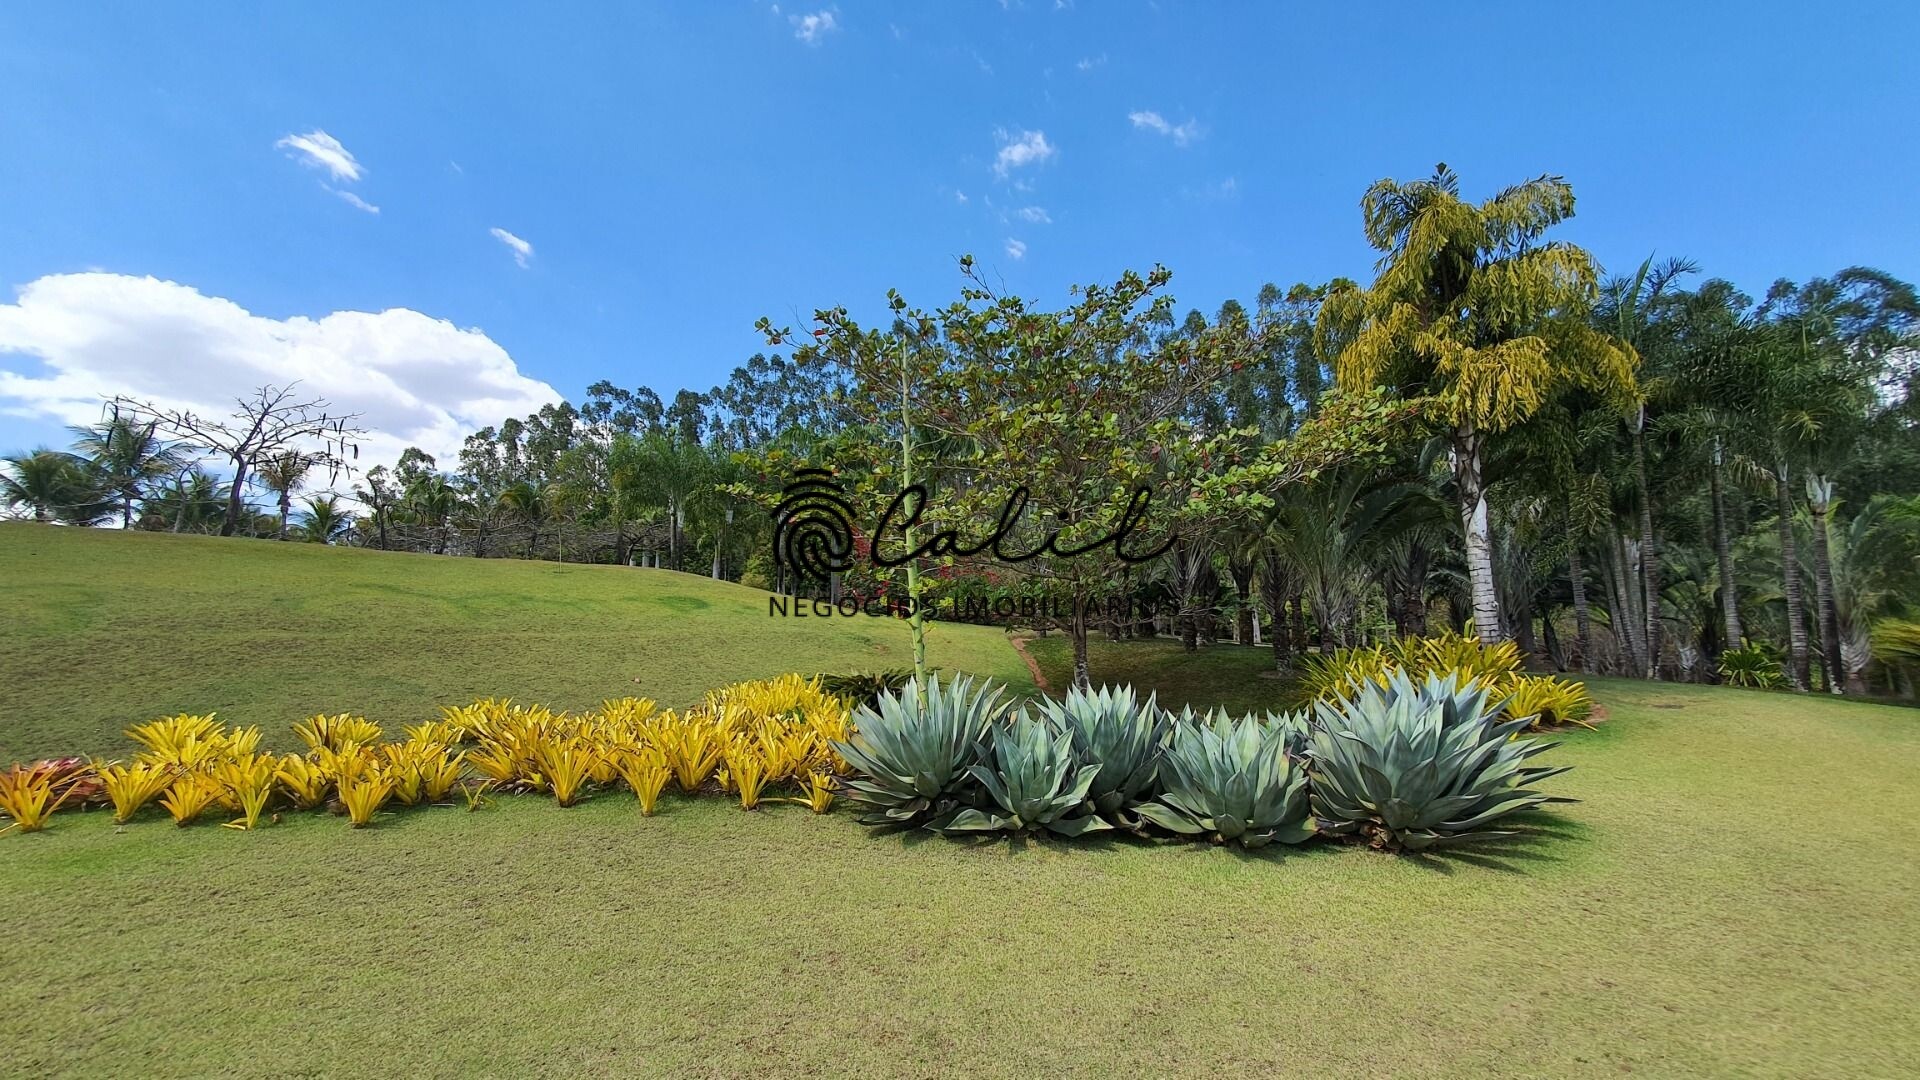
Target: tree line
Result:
[[1633, 473]]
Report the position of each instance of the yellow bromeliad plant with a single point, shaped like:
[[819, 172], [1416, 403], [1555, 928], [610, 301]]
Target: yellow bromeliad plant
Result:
[[26, 796], [130, 787], [189, 797], [248, 783], [646, 772], [332, 732], [568, 764], [304, 781], [363, 795]]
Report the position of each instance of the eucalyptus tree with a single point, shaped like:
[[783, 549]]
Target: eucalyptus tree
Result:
[[129, 458], [1480, 315]]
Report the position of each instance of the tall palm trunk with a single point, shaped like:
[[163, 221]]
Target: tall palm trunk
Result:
[[1467, 445], [1242, 572], [1723, 552], [1649, 550], [1800, 665], [1819, 497], [286, 508], [1273, 588], [1582, 622], [1626, 621]]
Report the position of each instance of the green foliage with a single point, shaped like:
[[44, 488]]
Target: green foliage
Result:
[[915, 748], [1420, 765], [1233, 781], [1121, 737], [1897, 641], [1035, 780], [1754, 664]]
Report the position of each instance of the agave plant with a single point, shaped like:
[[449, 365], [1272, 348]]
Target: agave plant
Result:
[[1035, 780], [913, 750], [1420, 766], [1121, 737], [1232, 780]]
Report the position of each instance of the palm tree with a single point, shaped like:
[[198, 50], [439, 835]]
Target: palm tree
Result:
[[195, 500], [527, 504], [433, 500], [282, 474], [1476, 311], [57, 485], [326, 521], [130, 458]]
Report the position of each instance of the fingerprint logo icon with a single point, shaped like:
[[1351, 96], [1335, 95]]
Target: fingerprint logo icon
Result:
[[813, 526]]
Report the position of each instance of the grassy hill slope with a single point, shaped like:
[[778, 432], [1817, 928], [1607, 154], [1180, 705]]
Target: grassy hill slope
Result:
[[102, 629]]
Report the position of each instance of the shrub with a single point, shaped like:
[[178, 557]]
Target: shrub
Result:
[[1233, 781], [1119, 736], [1754, 665], [1034, 780], [1342, 672], [1414, 766], [915, 753]]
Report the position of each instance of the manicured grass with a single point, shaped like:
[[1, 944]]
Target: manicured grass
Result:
[[1240, 678], [103, 629], [1733, 896]]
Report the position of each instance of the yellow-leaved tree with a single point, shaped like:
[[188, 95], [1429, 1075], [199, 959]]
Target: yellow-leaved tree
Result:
[[1478, 314]]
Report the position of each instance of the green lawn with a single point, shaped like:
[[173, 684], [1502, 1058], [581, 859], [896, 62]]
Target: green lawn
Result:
[[104, 629], [1735, 895]]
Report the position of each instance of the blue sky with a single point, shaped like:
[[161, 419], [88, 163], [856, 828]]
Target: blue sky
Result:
[[680, 169]]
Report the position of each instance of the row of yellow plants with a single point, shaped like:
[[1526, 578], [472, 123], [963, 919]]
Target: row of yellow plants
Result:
[[1550, 701], [749, 740]]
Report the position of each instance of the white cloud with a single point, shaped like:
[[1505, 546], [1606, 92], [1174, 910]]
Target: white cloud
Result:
[[1016, 249], [812, 28], [318, 149], [355, 201], [1181, 134], [414, 380], [1088, 63], [960, 197], [1021, 148], [1033, 214], [522, 251]]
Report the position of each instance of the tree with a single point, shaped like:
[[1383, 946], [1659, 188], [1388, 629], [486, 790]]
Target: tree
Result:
[[377, 494], [272, 420], [282, 474], [1474, 310], [129, 458], [1079, 408], [433, 500], [325, 520], [57, 486]]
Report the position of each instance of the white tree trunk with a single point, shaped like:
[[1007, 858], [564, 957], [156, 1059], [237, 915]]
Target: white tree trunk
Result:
[[1467, 445]]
